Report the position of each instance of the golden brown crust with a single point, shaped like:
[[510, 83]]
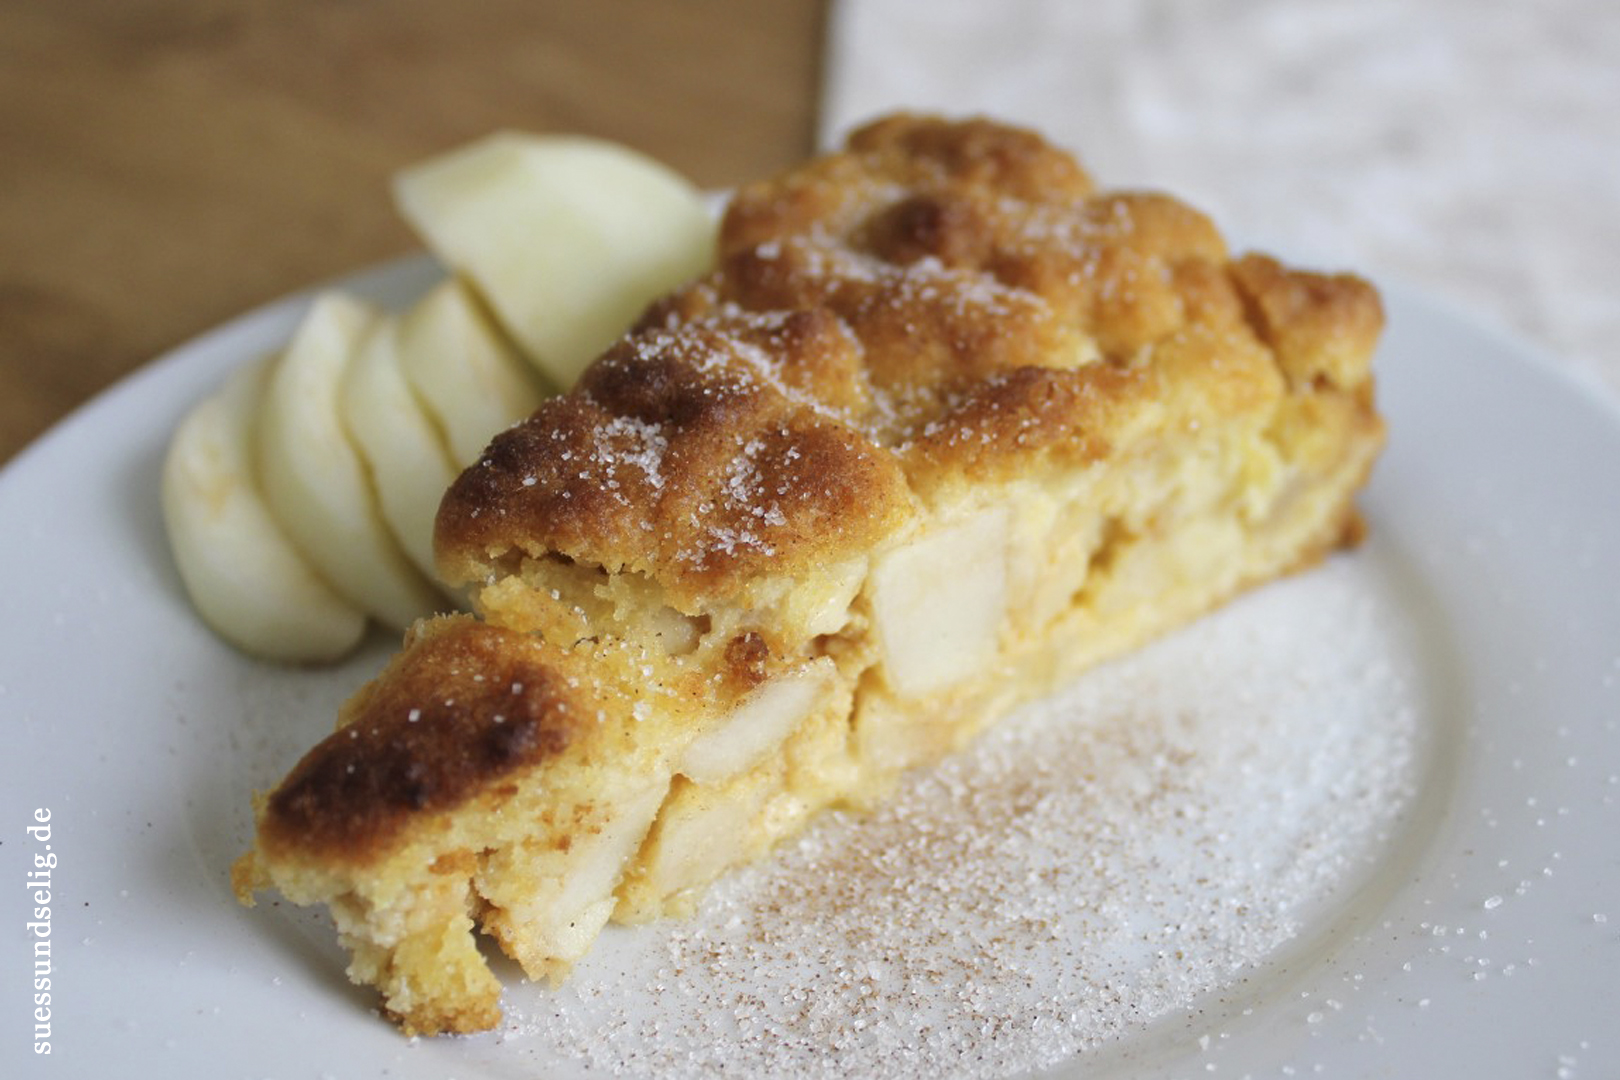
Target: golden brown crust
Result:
[[941, 302], [1321, 326], [832, 193], [687, 456], [464, 706]]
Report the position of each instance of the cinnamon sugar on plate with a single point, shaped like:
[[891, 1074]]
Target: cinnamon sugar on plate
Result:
[[1137, 849]]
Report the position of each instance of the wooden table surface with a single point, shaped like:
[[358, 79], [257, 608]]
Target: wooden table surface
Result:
[[167, 165]]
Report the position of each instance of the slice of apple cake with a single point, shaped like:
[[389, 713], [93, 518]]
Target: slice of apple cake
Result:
[[946, 426]]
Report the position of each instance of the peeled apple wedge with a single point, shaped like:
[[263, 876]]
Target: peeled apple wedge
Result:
[[244, 576], [409, 465], [468, 378], [566, 237], [315, 481], [759, 725], [938, 604]]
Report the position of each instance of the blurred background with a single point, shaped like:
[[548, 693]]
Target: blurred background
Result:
[[169, 164]]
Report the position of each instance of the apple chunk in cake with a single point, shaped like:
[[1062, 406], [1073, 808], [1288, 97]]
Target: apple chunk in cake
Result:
[[946, 426]]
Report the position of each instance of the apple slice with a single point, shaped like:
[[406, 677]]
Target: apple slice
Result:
[[245, 577], [314, 480], [701, 832], [470, 380], [409, 465], [550, 899], [566, 237], [759, 725], [939, 603]]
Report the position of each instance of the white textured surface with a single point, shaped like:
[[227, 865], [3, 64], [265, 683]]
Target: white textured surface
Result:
[[1469, 148]]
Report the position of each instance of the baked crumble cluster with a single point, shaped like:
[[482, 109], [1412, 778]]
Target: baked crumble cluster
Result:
[[945, 427]]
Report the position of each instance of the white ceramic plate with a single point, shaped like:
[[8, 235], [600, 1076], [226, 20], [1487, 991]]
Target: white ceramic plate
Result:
[[1487, 942]]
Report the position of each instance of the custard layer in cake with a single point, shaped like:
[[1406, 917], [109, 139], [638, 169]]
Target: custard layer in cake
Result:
[[945, 427]]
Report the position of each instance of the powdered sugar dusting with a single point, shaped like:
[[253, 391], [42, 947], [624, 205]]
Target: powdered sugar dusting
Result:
[[1112, 856], [626, 442]]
